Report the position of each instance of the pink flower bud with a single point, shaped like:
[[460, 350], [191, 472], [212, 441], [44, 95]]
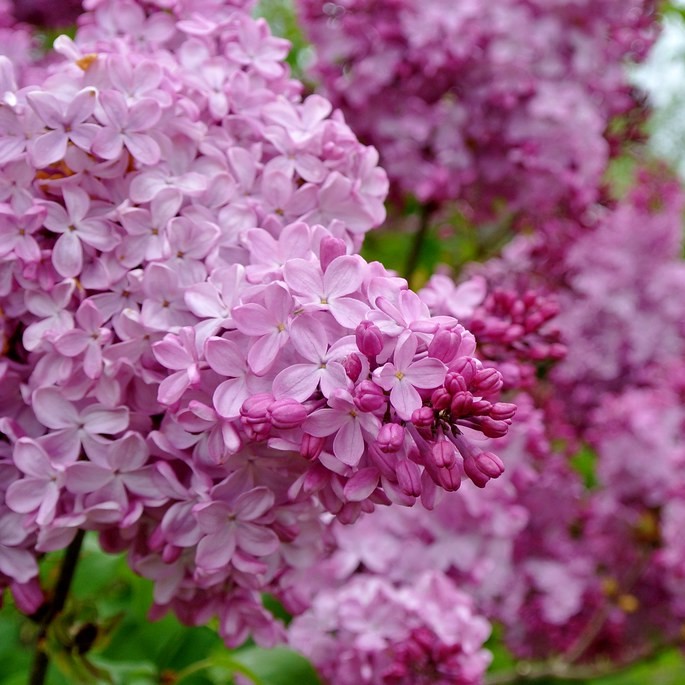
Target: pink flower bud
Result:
[[390, 437], [454, 383], [513, 332], [444, 454], [171, 553], [287, 413], [440, 399], [502, 411], [449, 478], [257, 431], [461, 404], [311, 446], [480, 407], [488, 381], [465, 367], [383, 461], [408, 477], [369, 339], [255, 409], [28, 597], [478, 478], [353, 366], [483, 466], [423, 417], [329, 249], [490, 464], [491, 428], [445, 345], [369, 397]]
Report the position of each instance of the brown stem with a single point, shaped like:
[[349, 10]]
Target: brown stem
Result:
[[41, 659], [425, 215]]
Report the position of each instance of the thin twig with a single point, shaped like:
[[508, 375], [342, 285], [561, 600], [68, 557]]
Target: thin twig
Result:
[[41, 659], [425, 215]]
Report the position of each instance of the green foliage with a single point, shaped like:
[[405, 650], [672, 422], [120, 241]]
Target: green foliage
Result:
[[104, 637], [280, 15], [585, 463]]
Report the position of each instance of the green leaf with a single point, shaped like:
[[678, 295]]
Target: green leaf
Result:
[[585, 463], [279, 666]]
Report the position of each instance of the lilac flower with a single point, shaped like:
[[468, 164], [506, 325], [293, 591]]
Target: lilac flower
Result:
[[74, 428], [268, 323], [125, 126], [67, 122], [39, 491], [403, 376], [328, 290], [117, 474], [88, 339], [15, 561], [76, 227], [349, 424], [323, 367], [231, 524]]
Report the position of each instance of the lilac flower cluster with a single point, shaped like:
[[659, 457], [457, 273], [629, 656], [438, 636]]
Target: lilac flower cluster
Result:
[[634, 253], [512, 320], [494, 104], [566, 571], [195, 362], [42, 13], [373, 633]]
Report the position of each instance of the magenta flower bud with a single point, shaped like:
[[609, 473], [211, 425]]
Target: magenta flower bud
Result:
[[311, 446], [444, 454], [329, 249], [454, 383], [408, 477], [471, 469], [369, 397], [258, 430], [448, 478], [513, 332], [390, 437], [445, 345], [287, 413], [255, 409], [557, 351], [353, 366], [285, 532], [369, 339], [466, 367], [424, 639], [488, 381], [440, 399], [534, 321], [383, 461], [28, 597], [480, 407], [423, 417], [157, 540], [489, 464], [491, 428], [502, 411], [461, 404], [171, 553]]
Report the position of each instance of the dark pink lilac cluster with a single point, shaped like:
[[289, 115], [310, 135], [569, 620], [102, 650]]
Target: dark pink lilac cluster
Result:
[[43, 13], [195, 362], [579, 560], [499, 105], [512, 319]]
